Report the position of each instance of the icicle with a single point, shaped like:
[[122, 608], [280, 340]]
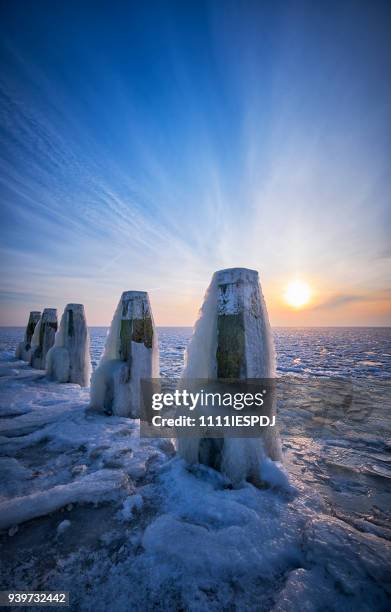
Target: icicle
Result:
[[69, 359], [232, 339], [43, 338], [131, 353], [23, 349]]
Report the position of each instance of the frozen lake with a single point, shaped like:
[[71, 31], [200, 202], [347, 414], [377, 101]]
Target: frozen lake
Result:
[[87, 506], [323, 351]]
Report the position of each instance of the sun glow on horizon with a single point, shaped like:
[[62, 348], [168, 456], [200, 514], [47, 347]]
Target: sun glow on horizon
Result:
[[297, 294]]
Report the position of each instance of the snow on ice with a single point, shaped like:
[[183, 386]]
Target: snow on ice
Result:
[[87, 506]]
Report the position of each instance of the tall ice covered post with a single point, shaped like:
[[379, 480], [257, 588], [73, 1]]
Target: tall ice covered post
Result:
[[232, 340], [69, 359], [43, 338], [23, 348], [131, 353]]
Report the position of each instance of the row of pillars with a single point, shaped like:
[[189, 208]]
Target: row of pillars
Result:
[[231, 339], [63, 351]]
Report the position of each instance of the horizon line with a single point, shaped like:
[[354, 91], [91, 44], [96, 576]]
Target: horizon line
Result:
[[272, 326]]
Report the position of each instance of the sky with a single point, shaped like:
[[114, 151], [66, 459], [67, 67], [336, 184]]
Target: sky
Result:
[[145, 145]]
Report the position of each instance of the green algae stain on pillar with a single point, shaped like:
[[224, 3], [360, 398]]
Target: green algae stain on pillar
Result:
[[125, 334], [143, 330], [71, 324], [230, 354]]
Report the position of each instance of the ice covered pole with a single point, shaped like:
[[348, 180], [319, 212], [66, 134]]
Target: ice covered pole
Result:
[[131, 353], [232, 339], [68, 361], [23, 348], [43, 338]]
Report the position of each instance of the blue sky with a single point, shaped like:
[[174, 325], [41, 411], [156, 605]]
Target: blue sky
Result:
[[147, 144]]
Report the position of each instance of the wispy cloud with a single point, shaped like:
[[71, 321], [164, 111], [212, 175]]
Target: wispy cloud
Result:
[[207, 141], [340, 300]]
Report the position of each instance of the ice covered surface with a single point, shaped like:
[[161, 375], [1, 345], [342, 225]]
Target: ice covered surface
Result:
[[191, 542], [334, 351], [99, 486], [317, 351], [69, 359]]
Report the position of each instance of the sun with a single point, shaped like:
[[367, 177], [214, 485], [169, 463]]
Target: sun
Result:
[[297, 294]]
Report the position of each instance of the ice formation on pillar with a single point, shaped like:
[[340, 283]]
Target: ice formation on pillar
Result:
[[232, 339], [131, 353], [43, 338], [68, 361], [24, 348]]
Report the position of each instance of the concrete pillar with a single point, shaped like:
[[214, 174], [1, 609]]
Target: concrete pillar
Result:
[[232, 340], [68, 361], [23, 349], [131, 353], [43, 338]]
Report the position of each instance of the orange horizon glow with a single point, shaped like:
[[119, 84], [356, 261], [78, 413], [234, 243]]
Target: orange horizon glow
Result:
[[325, 307]]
